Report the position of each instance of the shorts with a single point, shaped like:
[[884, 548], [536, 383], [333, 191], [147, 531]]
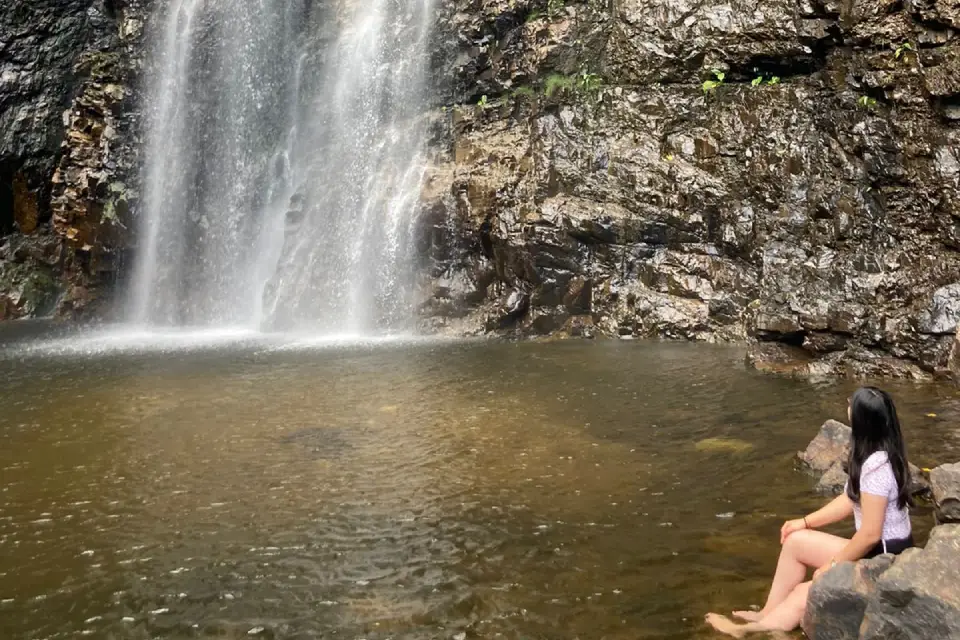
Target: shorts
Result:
[[896, 547]]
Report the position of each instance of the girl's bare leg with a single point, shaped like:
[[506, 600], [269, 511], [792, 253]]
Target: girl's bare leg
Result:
[[784, 617], [802, 549]]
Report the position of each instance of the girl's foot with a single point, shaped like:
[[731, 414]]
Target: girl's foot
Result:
[[749, 616], [723, 624]]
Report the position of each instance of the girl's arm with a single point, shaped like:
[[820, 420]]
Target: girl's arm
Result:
[[873, 509], [836, 510]]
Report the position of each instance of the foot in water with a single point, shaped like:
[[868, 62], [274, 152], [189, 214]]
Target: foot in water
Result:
[[723, 624], [749, 616]]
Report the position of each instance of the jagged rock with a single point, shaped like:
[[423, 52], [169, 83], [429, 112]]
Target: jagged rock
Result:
[[514, 308], [945, 486], [579, 297], [829, 448], [839, 599], [944, 311], [914, 596], [795, 211], [778, 358], [59, 167], [828, 452], [833, 481], [953, 364], [8, 310], [918, 598], [26, 211]]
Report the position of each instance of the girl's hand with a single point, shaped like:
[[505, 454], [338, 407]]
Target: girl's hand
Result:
[[790, 527]]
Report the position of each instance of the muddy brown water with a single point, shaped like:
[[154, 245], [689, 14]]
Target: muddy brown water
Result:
[[261, 488]]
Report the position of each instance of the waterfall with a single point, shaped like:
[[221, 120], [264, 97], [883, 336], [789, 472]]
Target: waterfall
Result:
[[283, 161]]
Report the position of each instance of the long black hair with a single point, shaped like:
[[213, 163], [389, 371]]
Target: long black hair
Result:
[[876, 428]]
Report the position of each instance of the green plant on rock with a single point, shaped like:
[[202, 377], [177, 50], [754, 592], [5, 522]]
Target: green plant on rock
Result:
[[866, 102], [483, 102], [903, 50], [556, 83], [523, 92], [116, 200], [710, 86], [759, 80], [554, 7], [588, 82]]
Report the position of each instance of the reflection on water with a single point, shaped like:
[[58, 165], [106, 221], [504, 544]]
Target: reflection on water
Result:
[[407, 490]]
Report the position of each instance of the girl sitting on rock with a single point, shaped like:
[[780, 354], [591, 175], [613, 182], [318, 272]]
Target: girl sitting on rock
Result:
[[876, 494]]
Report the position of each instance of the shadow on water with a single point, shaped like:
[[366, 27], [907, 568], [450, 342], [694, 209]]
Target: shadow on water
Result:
[[404, 489]]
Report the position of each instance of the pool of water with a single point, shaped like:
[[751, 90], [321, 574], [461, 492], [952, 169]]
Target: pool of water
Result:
[[185, 486]]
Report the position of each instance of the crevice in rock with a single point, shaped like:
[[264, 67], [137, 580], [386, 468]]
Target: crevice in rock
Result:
[[7, 219], [792, 339], [783, 66], [112, 8], [949, 110]]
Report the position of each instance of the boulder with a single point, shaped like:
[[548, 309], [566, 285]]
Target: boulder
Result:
[[831, 446], [827, 453], [839, 599], [945, 485], [915, 596], [943, 312], [953, 362], [833, 481], [918, 598]]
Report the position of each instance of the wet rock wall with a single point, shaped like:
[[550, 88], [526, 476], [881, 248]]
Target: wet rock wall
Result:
[[781, 171], [68, 138]]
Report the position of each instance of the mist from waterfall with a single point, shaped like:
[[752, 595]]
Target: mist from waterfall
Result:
[[282, 165]]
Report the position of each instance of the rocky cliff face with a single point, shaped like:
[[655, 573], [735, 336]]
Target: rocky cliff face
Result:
[[714, 170], [67, 146]]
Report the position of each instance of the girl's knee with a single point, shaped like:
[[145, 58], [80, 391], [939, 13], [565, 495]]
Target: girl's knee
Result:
[[796, 541]]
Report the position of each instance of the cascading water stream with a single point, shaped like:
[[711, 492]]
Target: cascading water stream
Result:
[[282, 165]]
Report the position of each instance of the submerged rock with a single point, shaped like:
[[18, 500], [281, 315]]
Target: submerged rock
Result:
[[730, 445]]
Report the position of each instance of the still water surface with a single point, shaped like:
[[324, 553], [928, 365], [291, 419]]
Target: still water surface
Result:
[[403, 490]]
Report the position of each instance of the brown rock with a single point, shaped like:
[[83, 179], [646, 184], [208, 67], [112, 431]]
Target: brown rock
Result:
[[25, 207], [833, 481], [945, 485], [953, 363], [830, 447], [8, 310], [579, 297], [824, 342], [778, 358]]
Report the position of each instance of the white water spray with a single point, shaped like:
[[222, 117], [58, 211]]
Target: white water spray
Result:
[[282, 165]]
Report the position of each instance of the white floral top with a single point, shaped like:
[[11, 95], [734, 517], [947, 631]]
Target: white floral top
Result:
[[877, 479]]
